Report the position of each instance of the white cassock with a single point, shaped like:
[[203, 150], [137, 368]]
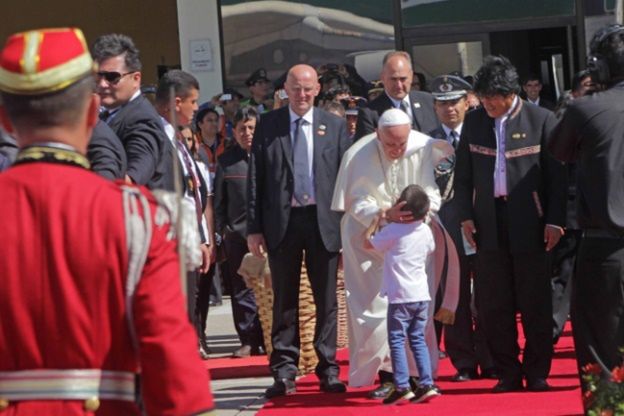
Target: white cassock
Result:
[[367, 182]]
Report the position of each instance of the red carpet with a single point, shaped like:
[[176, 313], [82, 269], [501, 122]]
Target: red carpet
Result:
[[224, 368], [468, 398]]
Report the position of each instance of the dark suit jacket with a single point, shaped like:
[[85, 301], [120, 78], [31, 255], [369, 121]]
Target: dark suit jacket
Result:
[[106, 153], [536, 183], [590, 133], [449, 210], [424, 117], [271, 181], [230, 203], [149, 157]]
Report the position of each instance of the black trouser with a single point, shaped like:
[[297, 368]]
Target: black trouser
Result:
[[465, 340], [598, 301], [506, 283], [198, 300], [202, 301], [563, 259], [244, 308], [303, 235]]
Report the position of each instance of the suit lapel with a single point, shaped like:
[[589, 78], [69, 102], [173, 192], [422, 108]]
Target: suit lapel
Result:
[[417, 120], [318, 125], [283, 129]]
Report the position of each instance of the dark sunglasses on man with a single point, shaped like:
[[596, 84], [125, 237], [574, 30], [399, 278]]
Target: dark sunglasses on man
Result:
[[112, 77]]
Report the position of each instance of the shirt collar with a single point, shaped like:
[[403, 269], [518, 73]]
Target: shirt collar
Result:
[[396, 103], [113, 110], [307, 116], [447, 130], [511, 110]]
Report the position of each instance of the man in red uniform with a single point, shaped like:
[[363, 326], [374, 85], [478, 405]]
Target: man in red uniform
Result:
[[89, 296]]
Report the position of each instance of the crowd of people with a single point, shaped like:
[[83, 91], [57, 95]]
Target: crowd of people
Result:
[[451, 206]]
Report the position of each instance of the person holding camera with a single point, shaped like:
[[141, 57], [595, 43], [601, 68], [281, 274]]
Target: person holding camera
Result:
[[590, 133]]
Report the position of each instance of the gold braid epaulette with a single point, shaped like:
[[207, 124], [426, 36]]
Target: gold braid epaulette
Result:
[[52, 155]]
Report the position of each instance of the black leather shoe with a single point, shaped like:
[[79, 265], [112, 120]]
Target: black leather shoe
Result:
[[537, 384], [382, 391], [332, 384], [283, 387], [258, 350], [507, 386], [490, 373], [465, 374]]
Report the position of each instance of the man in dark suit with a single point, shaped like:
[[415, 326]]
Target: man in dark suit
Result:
[[106, 153], [532, 88], [230, 209], [512, 196], [130, 115], [294, 161], [396, 76], [590, 133], [464, 340]]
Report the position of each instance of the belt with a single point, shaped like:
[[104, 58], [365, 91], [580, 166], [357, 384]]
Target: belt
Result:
[[601, 233], [84, 384], [304, 209]]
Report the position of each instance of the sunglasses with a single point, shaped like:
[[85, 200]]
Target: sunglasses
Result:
[[112, 77]]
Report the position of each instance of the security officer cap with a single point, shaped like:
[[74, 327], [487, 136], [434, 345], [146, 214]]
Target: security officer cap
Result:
[[449, 87], [257, 75]]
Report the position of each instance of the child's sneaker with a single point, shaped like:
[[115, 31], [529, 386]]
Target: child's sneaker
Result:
[[425, 393], [398, 395]]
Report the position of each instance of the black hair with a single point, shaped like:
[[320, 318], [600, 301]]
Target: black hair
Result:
[[245, 114], [497, 76], [417, 201], [181, 82], [608, 43], [115, 44], [58, 108], [199, 116]]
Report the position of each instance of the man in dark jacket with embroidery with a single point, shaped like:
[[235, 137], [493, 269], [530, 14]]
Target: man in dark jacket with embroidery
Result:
[[512, 197]]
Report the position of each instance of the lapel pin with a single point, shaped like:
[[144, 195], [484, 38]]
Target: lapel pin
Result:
[[516, 136], [321, 130], [416, 105]]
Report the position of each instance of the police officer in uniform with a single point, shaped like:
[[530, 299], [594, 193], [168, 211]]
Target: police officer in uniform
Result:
[[464, 340], [591, 133], [259, 86]]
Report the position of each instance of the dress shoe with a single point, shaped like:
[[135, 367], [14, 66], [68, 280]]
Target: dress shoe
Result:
[[258, 350], [507, 386], [282, 387], [490, 373], [242, 352], [382, 391], [465, 374], [332, 384], [537, 384]]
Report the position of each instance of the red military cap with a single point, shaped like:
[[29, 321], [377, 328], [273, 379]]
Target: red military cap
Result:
[[43, 61]]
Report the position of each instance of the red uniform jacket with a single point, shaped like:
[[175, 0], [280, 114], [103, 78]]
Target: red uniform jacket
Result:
[[63, 272]]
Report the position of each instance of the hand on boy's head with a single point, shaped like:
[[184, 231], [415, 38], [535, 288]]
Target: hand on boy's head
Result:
[[396, 213]]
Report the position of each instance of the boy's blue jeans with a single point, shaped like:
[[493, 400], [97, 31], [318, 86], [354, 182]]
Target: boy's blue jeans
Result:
[[408, 320]]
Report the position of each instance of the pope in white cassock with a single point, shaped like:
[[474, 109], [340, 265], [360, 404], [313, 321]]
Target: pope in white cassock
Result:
[[372, 175]]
